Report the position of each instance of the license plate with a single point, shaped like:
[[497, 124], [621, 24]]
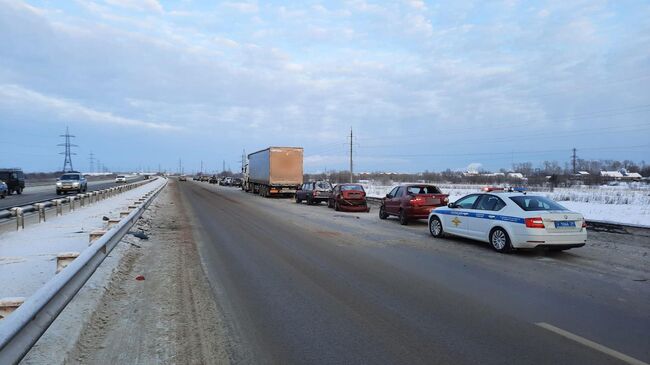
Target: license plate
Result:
[[433, 201], [565, 224]]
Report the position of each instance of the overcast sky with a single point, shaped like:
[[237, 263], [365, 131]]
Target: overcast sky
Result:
[[424, 85]]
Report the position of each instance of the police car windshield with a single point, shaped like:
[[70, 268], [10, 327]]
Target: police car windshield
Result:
[[536, 203], [70, 177]]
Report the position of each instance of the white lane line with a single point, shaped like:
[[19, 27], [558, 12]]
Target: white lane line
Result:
[[592, 344]]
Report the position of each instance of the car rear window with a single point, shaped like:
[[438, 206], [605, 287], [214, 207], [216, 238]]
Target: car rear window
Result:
[[323, 185], [70, 177], [423, 189], [535, 203], [352, 187]]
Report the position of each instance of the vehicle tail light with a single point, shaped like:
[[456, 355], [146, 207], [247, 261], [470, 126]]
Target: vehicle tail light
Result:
[[416, 200], [446, 200], [536, 222], [584, 223]]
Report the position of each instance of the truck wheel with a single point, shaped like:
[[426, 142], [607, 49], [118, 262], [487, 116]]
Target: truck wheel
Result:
[[298, 200]]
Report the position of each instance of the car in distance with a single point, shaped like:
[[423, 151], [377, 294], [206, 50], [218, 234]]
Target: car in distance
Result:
[[15, 180], [120, 179], [213, 180], [510, 220], [226, 181], [182, 178], [71, 181], [314, 192], [348, 197], [237, 182], [412, 201], [4, 190]]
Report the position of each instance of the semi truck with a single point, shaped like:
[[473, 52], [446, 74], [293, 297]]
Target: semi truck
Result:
[[274, 171]]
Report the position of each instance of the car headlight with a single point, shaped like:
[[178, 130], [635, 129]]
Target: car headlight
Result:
[[58, 183], [75, 184]]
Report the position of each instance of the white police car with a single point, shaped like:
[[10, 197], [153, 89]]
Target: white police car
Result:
[[510, 219]]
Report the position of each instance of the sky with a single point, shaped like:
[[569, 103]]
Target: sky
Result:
[[424, 85]]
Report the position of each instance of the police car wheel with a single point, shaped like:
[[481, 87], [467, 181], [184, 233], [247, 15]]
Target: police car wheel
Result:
[[500, 241], [435, 227]]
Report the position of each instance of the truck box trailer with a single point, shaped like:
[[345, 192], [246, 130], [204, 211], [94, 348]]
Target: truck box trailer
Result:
[[274, 171]]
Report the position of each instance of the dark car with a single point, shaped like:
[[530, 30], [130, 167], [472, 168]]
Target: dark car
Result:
[[348, 197], [237, 182], [15, 180], [314, 192], [4, 190], [213, 180], [412, 201], [71, 181]]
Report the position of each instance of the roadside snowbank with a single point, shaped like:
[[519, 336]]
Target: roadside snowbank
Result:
[[604, 203], [28, 257]]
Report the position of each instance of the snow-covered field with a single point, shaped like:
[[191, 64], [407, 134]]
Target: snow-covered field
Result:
[[28, 257], [604, 203]]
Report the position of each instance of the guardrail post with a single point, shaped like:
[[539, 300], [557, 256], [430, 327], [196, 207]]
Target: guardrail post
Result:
[[40, 207], [81, 199], [20, 217], [8, 305], [112, 222], [94, 236], [58, 206], [71, 200], [64, 259], [124, 214]]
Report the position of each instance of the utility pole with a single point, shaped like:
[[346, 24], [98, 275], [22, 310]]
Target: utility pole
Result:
[[223, 166], [92, 162], [351, 170], [180, 166], [67, 162], [574, 161], [201, 167]]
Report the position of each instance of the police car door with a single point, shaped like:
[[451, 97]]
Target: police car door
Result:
[[484, 215], [458, 221]]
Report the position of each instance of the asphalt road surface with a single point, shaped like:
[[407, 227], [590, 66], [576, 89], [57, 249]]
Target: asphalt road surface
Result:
[[39, 193], [300, 284]]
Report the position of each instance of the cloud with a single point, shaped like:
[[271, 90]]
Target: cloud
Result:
[[17, 96], [243, 7], [140, 5]]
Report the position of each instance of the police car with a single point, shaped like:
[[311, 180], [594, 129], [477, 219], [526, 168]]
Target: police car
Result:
[[510, 219]]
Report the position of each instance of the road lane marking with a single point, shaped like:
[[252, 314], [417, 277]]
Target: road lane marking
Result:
[[592, 344]]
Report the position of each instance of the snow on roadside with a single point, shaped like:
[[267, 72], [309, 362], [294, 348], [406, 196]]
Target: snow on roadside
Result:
[[28, 257], [605, 203]]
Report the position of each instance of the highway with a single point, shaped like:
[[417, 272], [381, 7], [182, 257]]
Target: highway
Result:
[[33, 194], [300, 284]]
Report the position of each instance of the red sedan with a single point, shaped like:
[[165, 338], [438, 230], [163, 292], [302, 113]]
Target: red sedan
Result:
[[412, 201], [348, 197]]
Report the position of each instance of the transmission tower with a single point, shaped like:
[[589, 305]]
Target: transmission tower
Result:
[[92, 161], [573, 158], [67, 162]]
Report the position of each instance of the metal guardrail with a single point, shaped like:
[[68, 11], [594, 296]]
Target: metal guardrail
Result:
[[594, 225], [30, 206], [22, 329]]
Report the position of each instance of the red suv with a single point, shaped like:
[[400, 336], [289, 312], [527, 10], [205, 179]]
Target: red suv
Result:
[[412, 201], [348, 197]]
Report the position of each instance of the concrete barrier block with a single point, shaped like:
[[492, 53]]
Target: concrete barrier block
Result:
[[112, 222], [20, 217], [124, 214], [64, 259], [8, 305], [131, 207]]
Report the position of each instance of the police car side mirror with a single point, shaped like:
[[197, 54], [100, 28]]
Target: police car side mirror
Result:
[[452, 205]]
